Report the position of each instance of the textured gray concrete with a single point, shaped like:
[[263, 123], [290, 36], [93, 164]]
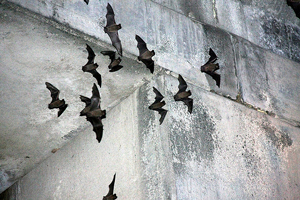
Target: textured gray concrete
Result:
[[223, 150], [32, 53]]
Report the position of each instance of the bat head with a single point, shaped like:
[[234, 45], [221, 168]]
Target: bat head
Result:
[[152, 53]]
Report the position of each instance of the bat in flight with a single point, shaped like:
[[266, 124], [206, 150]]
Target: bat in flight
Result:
[[110, 195], [56, 102], [158, 104], [90, 66], [87, 1], [112, 28], [93, 112], [183, 95], [210, 68], [144, 54], [114, 64]]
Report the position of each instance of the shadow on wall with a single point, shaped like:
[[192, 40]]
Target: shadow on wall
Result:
[[295, 4]]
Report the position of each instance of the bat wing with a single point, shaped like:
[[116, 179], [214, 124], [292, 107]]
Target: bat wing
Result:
[[142, 46], [111, 54], [53, 90], [149, 64], [213, 57], [216, 77], [189, 103], [97, 127], [182, 84], [116, 42], [110, 15], [91, 54], [86, 1], [95, 92], [162, 113], [116, 68], [159, 96], [97, 76], [62, 109], [111, 187], [86, 100]]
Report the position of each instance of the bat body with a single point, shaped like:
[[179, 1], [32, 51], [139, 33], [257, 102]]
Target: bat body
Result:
[[183, 95], [56, 102], [158, 104], [112, 28], [144, 54], [90, 66], [210, 68], [110, 195], [93, 112], [115, 63], [87, 1]]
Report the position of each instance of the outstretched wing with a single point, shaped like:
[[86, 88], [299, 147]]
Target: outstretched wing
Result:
[[62, 109], [95, 92], [97, 76], [142, 46], [86, 1], [189, 103], [149, 64], [111, 54], [111, 187], [116, 42], [97, 127], [91, 55], [110, 15], [213, 57], [159, 96], [162, 113], [53, 90], [86, 100], [216, 77], [182, 84]]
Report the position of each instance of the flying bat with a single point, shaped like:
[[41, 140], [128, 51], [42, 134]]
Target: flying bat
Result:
[[158, 104], [93, 112], [183, 95], [114, 64], [90, 66], [112, 28], [86, 1], [56, 102], [144, 54], [110, 195], [210, 68]]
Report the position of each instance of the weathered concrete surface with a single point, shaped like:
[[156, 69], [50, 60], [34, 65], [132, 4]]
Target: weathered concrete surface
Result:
[[223, 150], [32, 53], [269, 82]]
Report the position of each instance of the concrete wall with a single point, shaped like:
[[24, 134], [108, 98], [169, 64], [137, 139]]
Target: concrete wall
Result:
[[242, 139], [223, 150]]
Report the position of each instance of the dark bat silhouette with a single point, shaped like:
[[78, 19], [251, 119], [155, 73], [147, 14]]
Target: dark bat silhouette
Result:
[[144, 54], [158, 104], [90, 66], [210, 68], [182, 94], [110, 195], [87, 1], [93, 112], [56, 102], [295, 4], [114, 64], [112, 28]]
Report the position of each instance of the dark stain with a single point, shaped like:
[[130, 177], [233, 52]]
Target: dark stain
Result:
[[252, 161], [194, 142], [278, 138], [191, 6]]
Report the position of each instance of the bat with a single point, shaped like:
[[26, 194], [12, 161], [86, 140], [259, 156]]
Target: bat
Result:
[[87, 1], [110, 195], [112, 28], [93, 112], [158, 104], [144, 54], [90, 66], [209, 67], [114, 64], [56, 102], [295, 4], [183, 95]]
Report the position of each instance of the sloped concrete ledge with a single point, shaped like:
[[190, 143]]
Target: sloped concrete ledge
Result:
[[222, 150]]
